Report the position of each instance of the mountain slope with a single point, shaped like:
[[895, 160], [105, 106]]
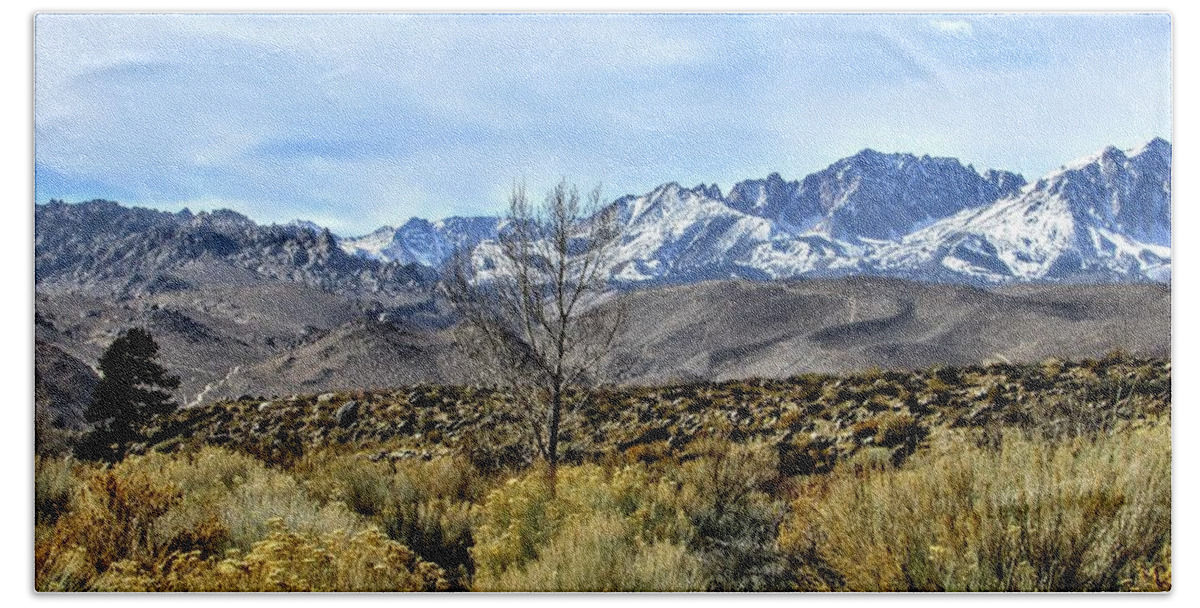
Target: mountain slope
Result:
[[1102, 218], [872, 195], [683, 234], [423, 242], [269, 338], [1106, 217], [102, 245], [64, 383], [242, 307], [735, 329]]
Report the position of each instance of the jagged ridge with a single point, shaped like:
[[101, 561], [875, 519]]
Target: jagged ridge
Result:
[[1102, 218]]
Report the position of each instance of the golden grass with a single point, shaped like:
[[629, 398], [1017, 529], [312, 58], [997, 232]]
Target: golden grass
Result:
[[600, 531], [1013, 505], [287, 561], [1081, 515]]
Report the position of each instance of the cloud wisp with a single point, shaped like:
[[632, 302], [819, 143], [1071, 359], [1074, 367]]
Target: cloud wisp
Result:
[[370, 119]]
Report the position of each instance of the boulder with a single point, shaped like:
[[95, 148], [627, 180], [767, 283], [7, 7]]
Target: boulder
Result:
[[347, 414]]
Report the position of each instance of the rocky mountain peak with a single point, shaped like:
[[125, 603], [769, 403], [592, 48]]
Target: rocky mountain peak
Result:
[[763, 197], [1128, 192], [877, 196], [925, 217], [100, 244], [713, 191]]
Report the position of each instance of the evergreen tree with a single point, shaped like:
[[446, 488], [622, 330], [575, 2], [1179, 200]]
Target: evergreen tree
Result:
[[133, 389]]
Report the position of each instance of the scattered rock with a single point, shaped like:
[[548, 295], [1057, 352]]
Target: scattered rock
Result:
[[807, 418], [347, 414]]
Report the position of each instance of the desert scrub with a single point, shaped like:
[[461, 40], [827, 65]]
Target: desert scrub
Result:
[[618, 531], [424, 505], [112, 520], [54, 487], [237, 493], [288, 561], [727, 498], [1078, 515], [603, 552], [364, 485], [146, 508]]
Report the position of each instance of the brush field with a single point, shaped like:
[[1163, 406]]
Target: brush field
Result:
[[1052, 476]]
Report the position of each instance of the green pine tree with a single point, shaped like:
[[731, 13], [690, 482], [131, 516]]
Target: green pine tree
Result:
[[133, 389]]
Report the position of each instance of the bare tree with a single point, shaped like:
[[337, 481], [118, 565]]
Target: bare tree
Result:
[[530, 307]]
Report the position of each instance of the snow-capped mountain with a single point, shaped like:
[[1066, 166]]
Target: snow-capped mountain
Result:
[[1103, 217], [307, 225], [872, 195], [101, 244], [422, 241], [680, 233], [1107, 216]]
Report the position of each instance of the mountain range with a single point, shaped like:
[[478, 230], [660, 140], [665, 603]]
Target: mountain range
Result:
[[104, 246], [1073, 264], [1103, 218]]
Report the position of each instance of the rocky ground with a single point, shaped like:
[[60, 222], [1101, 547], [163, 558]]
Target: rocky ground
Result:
[[813, 420]]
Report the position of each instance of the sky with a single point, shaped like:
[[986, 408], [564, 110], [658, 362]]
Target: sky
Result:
[[356, 121]]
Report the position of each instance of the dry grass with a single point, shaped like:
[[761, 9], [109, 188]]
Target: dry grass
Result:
[[148, 508], [112, 521], [1035, 477], [424, 505], [603, 552], [599, 531], [287, 561], [1081, 515], [54, 488]]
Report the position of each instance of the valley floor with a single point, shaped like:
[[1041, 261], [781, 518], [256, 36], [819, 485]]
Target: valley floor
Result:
[[1053, 476]]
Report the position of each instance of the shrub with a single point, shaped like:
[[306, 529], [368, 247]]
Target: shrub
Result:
[[897, 429], [737, 549], [424, 505], [727, 471], [146, 508], [54, 487], [603, 552], [267, 495], [735, 521], [1078, 515], [288, 561], [590, 535], [234, 492], [112, 521]]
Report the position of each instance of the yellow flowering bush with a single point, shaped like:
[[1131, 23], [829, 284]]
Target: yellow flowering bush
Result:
[[288, 561]]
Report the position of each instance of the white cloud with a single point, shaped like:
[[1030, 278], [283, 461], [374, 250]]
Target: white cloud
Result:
[[375, 118], [954, 27]]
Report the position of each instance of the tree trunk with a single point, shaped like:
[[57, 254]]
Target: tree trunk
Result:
[[552, 440]]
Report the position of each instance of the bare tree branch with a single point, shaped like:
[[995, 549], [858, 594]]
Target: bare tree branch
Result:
[[531, 302]]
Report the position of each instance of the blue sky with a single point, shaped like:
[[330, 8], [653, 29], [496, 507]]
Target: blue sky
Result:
[[354, 121]]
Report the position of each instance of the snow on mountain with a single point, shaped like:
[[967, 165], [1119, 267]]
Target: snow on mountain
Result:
[[422, 241], [768, 198], [883, 196], [872, 195], [101, 244], [307, 225], [679, 232], [1103, 217], [773, 228]]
